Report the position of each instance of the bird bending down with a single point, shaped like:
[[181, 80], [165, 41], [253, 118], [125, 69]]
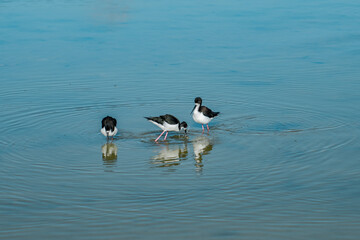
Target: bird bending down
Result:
[[167, 123], [202, 114], [108, 127]]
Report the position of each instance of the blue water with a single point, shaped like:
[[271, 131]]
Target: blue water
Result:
[[280, 162]]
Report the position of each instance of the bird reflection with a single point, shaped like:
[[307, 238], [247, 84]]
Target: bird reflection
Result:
[[202, 146], [170, 155], [109, 153]]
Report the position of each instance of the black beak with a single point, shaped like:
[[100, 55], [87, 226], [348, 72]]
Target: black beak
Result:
[[193, 110]]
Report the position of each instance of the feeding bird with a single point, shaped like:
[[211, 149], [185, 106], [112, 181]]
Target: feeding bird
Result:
[[167, 123], [108, 127], [202, 114]]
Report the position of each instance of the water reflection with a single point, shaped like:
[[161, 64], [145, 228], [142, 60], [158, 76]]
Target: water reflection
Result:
[[202, 146], [170, 155], [109, 153]]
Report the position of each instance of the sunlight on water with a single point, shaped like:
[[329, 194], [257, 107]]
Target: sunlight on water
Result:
[[279, 162]]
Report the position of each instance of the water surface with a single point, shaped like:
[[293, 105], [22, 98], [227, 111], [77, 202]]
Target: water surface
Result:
[[280, 162]]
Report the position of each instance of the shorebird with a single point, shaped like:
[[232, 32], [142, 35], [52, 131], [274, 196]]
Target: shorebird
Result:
[[108, 127], [202, 114], [167, 123]]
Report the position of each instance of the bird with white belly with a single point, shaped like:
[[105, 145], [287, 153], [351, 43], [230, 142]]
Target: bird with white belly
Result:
[[202, 114]]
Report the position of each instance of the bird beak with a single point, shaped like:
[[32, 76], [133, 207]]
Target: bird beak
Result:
[[193, 110]]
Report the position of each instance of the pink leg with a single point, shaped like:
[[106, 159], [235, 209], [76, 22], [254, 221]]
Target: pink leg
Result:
[[208, 127], [203, 128], [159, 136], [166, 135]]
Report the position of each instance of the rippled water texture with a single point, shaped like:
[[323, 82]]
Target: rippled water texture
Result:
[[280, 162]]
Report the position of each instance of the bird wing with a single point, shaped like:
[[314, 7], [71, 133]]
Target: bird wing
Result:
[[108, 123], [207, 112], [170, 119], [155, 119]]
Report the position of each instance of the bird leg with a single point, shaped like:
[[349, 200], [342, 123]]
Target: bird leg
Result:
[[207, 127], [202, 128], [166, 135], [160, 135]]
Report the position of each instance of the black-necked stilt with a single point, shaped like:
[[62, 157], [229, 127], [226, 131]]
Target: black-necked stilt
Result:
[[202, 114], [108, 127], [167, 123]]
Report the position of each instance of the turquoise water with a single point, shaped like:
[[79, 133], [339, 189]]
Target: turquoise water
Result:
[[280, 162]]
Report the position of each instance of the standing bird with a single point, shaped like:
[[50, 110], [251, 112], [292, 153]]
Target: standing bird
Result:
[[202, 114], [167, 123], [108, 127]]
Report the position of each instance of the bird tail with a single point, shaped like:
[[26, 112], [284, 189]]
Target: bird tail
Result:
[[216, 113]]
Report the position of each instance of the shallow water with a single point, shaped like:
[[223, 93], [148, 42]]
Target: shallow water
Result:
[[280, 162]]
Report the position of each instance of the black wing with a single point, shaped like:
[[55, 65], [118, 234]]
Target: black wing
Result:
[[109, 123], [156, 119], [207, 112], [164, 118], [170, 119]]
